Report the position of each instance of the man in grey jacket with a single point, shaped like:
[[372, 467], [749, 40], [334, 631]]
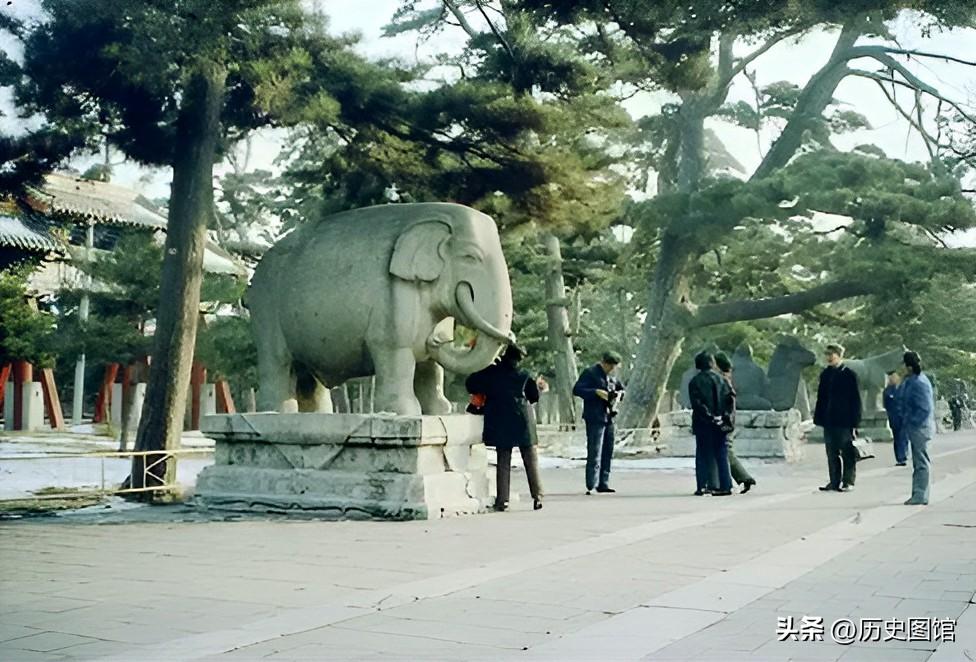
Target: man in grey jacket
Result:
[[918, 419]]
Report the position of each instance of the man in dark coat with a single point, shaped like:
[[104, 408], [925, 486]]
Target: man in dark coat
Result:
[[707, 393], [600, 392], [508, 421], [893, 406], [838, 412]]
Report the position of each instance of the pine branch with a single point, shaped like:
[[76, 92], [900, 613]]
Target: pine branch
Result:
[[754, 309]]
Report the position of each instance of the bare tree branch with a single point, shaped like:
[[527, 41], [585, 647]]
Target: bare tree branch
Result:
[[927, 138], [930, 90], [754, 309], [938, 56], [461, 18], [495, 31], [740, 65]]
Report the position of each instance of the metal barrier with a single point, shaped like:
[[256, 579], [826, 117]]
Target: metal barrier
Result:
[[151, 460]]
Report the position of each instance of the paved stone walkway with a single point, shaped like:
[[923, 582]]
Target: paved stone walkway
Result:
[[649, 573]]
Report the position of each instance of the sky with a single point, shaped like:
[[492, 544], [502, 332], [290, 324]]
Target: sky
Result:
[[794, 62]]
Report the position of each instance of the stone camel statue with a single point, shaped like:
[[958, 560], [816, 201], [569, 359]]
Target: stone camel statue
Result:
[[786, 373], [751, 383], [872, 375], [373, 291], [779, 389]]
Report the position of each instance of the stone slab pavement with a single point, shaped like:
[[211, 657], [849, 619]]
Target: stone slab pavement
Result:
[[649, 573]]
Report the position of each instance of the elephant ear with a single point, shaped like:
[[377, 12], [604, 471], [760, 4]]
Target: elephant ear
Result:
[[417, 253]]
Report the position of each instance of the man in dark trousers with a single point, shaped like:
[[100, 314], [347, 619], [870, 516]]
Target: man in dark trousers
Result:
[[893, 406], [707, 394], [838, 412], [600, 391]]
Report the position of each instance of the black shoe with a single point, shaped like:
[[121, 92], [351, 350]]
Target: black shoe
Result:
[[605, 489], [829, 488], [900, 464], [746, 486], [702, 492], [537, 504], [722, 493], [588, 492], [500, 507]]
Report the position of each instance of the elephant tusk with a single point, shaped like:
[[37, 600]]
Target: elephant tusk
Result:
[[464, 295]]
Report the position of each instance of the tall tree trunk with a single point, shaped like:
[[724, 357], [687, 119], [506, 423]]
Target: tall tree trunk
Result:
[[191, 206], [560, 334], [662, 337], [668, 306]]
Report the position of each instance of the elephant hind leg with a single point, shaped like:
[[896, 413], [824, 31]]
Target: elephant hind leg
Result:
[[311, 394], [428, 384]]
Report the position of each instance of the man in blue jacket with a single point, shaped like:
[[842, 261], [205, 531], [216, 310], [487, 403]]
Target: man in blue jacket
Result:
[[600, 391], [892, 405], [918, 418]]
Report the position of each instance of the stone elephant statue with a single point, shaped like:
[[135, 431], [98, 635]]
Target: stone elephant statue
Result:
[[371, 292]]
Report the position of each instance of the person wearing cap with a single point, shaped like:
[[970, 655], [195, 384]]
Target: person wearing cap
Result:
[[600, 391], [508, 391], [838, 412], [918, 419]]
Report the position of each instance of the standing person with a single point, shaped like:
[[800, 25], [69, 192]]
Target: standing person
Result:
[[838, 411], [892, 405], [739, 473], [707, 392], [542, 408], [918, 417], [508, 391], [955, 410], [600, 392]]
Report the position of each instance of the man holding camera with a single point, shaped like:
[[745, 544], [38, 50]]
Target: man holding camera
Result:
[[601, 392]]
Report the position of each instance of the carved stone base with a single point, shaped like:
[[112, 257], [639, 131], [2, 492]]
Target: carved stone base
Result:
[[768, 434], [874, 426], [346, 466]]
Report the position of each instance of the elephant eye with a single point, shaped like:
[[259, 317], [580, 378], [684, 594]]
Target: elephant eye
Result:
[[471, 257]]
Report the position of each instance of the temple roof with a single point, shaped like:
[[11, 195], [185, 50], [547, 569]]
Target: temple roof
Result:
[[24, 233], [89, 200]]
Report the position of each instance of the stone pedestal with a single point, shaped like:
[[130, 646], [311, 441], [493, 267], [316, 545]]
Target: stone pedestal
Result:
[[355, 466], [768, 434], [874, 426]]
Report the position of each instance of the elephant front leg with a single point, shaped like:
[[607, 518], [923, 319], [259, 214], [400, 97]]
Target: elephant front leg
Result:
[[428, 383], [395, 368]]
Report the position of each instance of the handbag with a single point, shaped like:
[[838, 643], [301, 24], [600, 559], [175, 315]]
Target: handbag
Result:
[[862, 447], [476, 404]]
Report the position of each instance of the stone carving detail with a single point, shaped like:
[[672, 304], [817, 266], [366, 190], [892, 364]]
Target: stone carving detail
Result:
[[375, 291], [341, 466]]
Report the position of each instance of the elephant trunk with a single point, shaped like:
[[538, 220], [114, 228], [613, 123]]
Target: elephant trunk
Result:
[[465, 361], [464, 295], [491, 339]]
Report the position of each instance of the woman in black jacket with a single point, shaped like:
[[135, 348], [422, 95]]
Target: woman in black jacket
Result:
[[508, 391]]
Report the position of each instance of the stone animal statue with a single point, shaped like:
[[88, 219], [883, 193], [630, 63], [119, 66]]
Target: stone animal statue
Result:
[[786, 373], [370, 292], [872, 375], [751, 383]]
